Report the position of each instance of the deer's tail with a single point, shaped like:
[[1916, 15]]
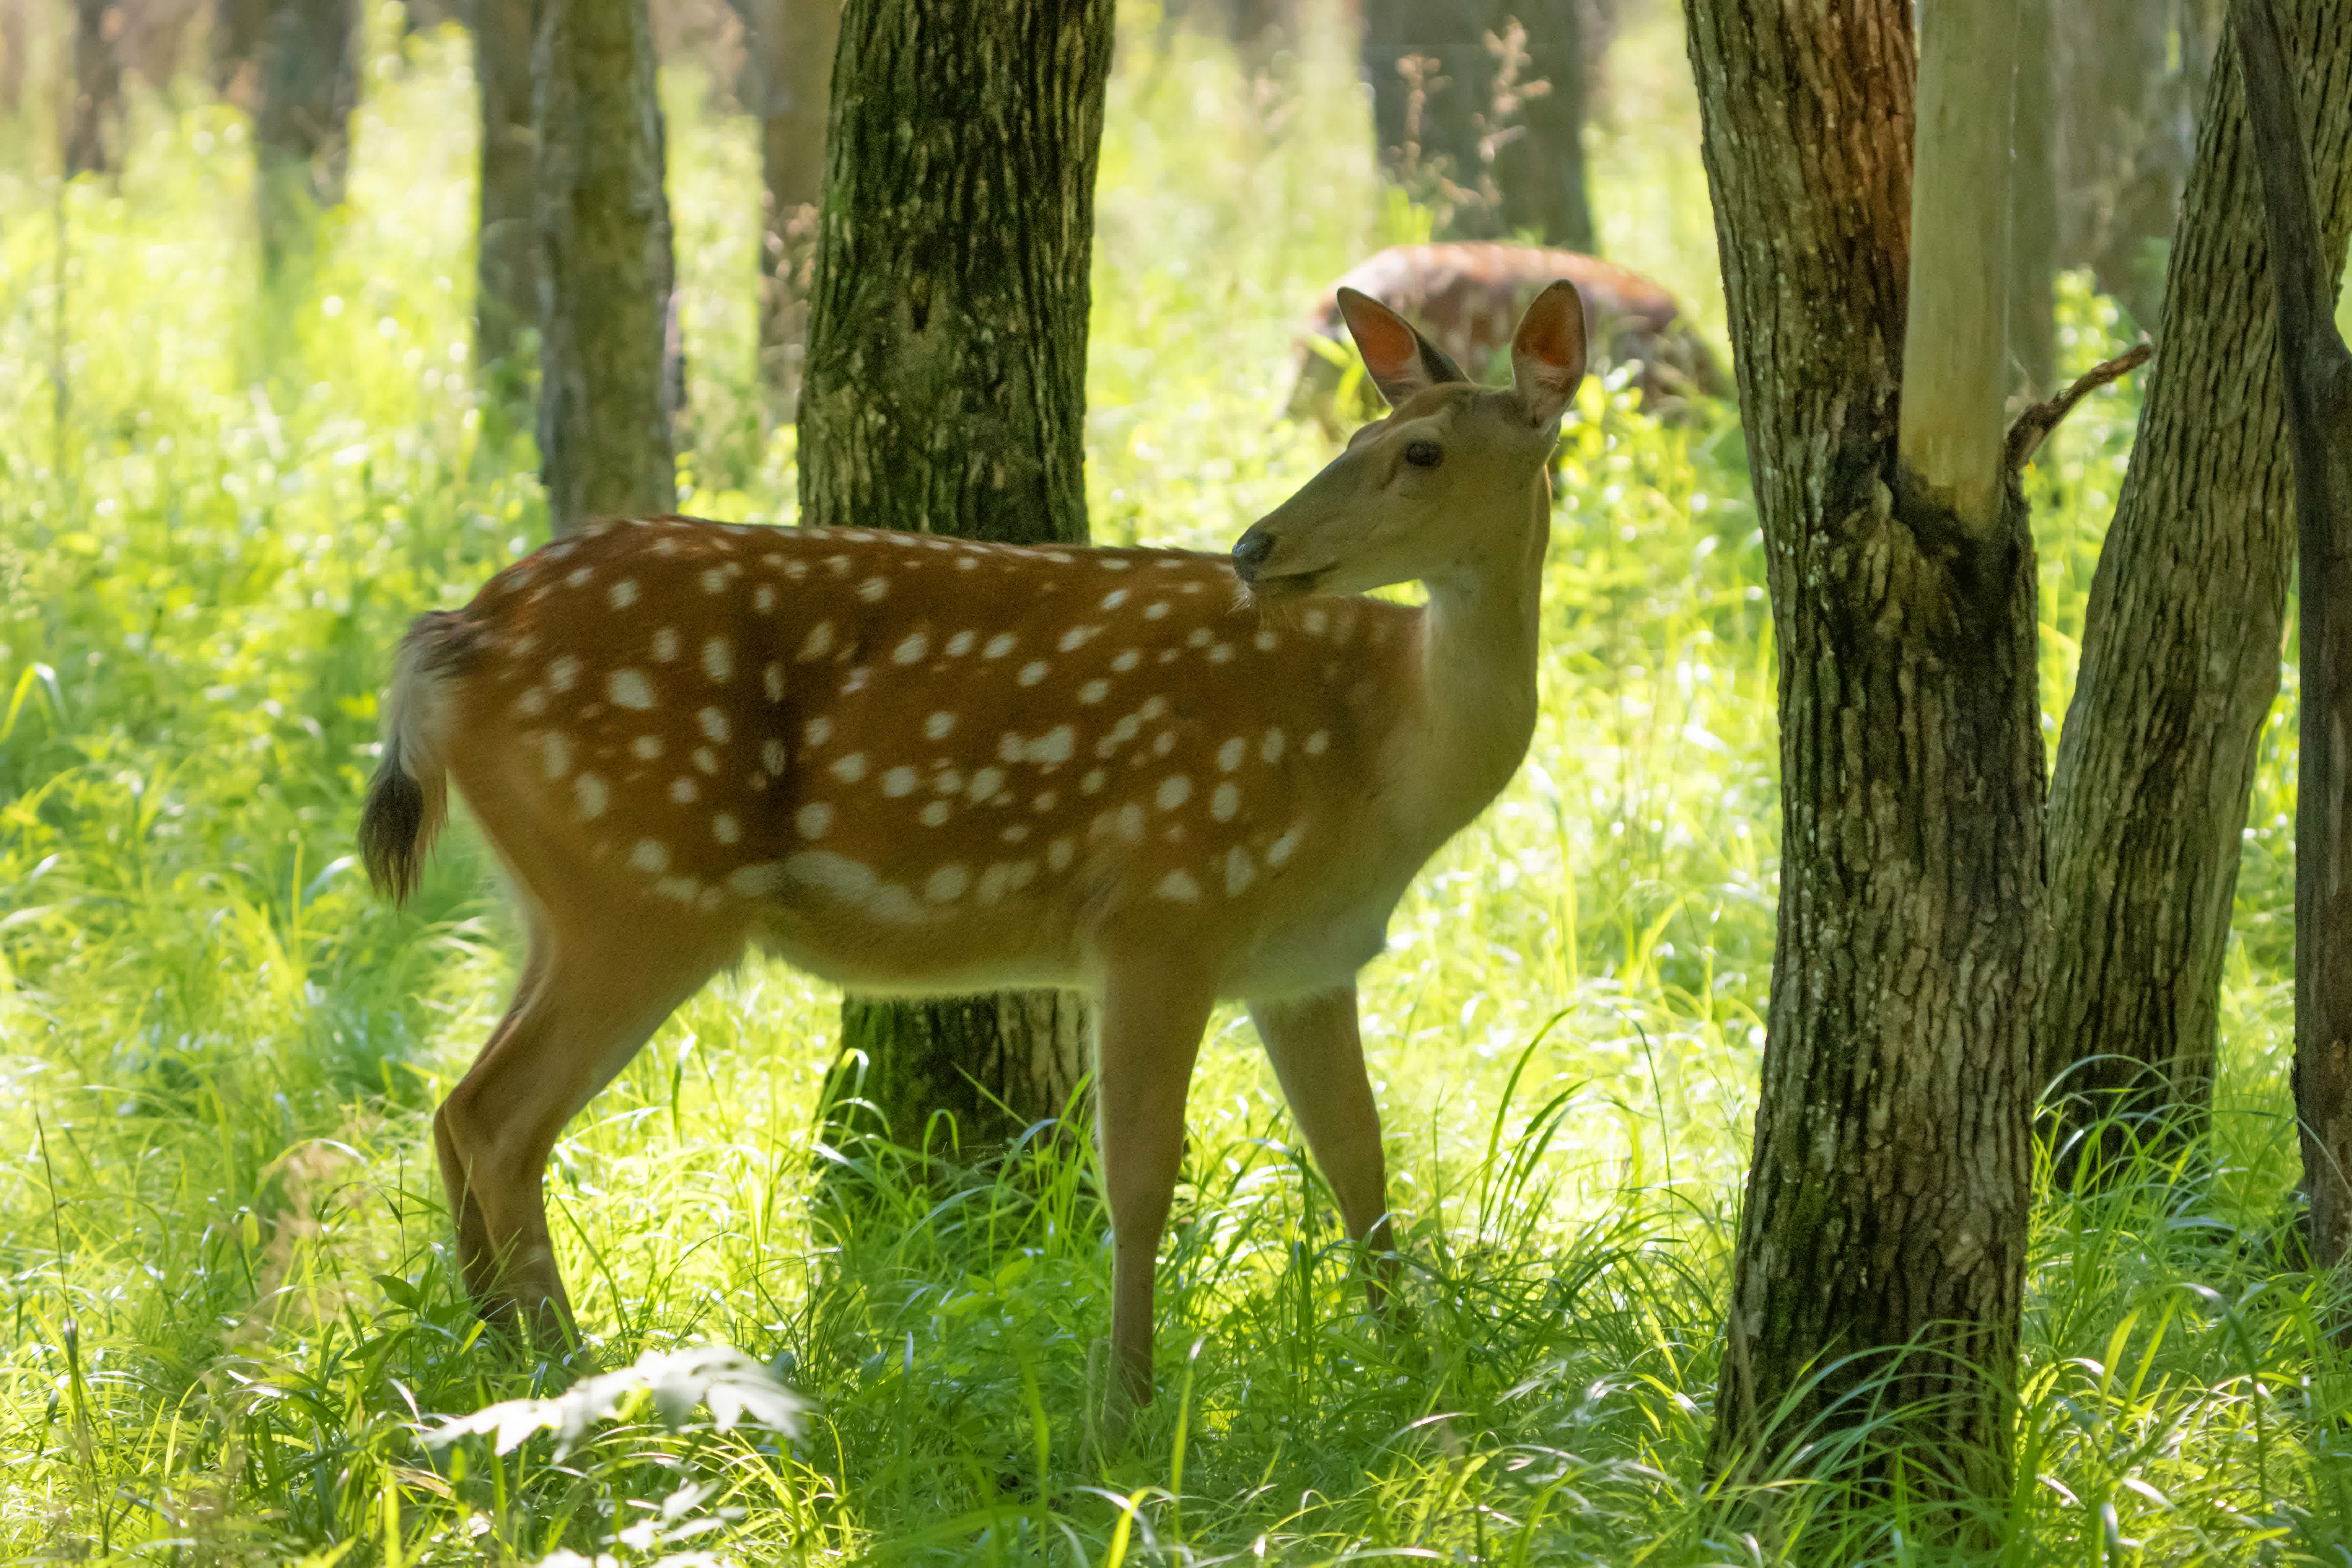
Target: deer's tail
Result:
[[409, 799]]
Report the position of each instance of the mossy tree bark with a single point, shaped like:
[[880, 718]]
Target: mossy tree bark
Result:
[[1887, 1201], [945, 391], [2180, 646], [2317, 382], [309, 86], [505, 270], [607, 390], [790, 81]]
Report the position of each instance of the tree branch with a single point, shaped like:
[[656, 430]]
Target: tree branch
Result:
[[2033, 425]]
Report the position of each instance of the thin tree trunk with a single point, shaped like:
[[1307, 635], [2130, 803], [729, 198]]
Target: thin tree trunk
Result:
[[309, 88], [506, 274], [1539, 172], [946, 392], [2126, 132], [2034, 210], [1886, 1204], [606, 397], [94, 120], [2180, 647], [2317, 382], [235, 48], [792, 45]]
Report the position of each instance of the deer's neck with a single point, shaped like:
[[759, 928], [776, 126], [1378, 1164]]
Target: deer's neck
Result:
[[1477, 678]]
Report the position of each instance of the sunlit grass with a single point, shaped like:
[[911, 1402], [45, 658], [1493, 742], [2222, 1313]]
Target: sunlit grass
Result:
[[226, 1263]]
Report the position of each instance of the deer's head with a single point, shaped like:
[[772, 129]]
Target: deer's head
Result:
[[1440, 488]]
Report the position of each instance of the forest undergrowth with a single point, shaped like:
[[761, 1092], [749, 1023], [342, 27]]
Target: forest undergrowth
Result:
[[223, 1248]]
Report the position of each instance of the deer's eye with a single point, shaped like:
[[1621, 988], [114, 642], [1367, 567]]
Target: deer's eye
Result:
[[1425, 454]]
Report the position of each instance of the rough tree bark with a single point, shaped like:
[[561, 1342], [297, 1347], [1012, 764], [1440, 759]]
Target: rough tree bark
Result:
[[945, 391], [2317, 382], [308, 88], [789, 83], [1462, 127], [1886, 1202], [506, 265], [94, 117], [606, 391], [2180, 646]]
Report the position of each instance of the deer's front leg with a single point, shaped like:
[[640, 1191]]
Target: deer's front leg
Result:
[[1153, 1017], [1319, 1056]]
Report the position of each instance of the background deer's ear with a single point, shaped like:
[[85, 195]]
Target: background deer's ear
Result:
[[1547, 352], [1398, 359]]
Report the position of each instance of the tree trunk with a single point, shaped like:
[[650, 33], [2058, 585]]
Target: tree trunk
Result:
[[2317, 382], [94, 119], [2125, 132], [2180, 647], [1886, 1204], [791, 76], [1539, 172], [606, 396], [506, 267], [1431, 73], [309, 88], [235, 48], [2034, 210], [946, 391]]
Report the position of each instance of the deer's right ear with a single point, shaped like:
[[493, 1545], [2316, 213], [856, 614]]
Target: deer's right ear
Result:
[[1400, 361], [1547, 352]]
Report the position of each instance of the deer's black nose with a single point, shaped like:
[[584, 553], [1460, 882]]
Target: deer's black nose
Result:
[[1250, 551]]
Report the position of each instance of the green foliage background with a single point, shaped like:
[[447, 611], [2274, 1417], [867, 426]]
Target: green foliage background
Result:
[[222, 1249]]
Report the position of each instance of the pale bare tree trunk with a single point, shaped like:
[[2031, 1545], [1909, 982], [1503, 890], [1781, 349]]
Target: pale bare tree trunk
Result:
[[793, 43], [945, 391], [1887, 1201], [2317, 382], [606, 395], [2180, 646]]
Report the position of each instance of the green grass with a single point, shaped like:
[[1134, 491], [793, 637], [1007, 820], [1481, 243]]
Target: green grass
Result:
[[225, 1258]]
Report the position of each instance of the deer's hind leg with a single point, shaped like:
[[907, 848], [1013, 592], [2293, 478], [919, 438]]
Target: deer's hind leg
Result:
[[594, 990]]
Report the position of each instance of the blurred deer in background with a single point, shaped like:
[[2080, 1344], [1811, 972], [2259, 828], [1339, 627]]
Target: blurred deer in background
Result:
[[916, 765], [1466, 297]]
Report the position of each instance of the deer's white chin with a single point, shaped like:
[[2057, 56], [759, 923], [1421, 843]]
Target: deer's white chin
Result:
[[1289, 585]]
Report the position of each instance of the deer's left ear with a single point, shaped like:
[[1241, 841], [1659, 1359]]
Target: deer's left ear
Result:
[[1547, 352], [1400, 361]]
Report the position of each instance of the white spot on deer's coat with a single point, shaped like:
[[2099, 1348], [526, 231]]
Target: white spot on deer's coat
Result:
[[1224, 800], [1221, 654], [899, 781], [773, 678], [705, 759], [771, 756], [998, 646], [1282, 849], [714, 724], [666, 643], [1240, 870], [650, 855], [1174, 791], [1127, 661], [531, 703], [1314, 622], [1076, 637], [1179, 888], [725, 828], [936, 814], [1033, 672], [992, 881], [563, 673], [817, 644], [873, 588], [629, 688], [985, 783], [719, 659], [1059, 853], [851, 768], [555, 752], [1163, 743], [1269, 749], [589, 791], [948, 884], [831, 873], [936, 726], [1157, 610], [754, 880], [1229, 756], [645, 748], [1056, 746], [683, 790], [764, 598], [1318, 743], [1094, 691], [960, 644], [1114, 599], [623, 593], [814, 819], [1129, 820], [816, 731], [914, 648], [713, 580], [1092, 784], [1265, 642]]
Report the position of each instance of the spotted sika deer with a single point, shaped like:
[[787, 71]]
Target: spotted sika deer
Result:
[[916, 765], [1466, 295]]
